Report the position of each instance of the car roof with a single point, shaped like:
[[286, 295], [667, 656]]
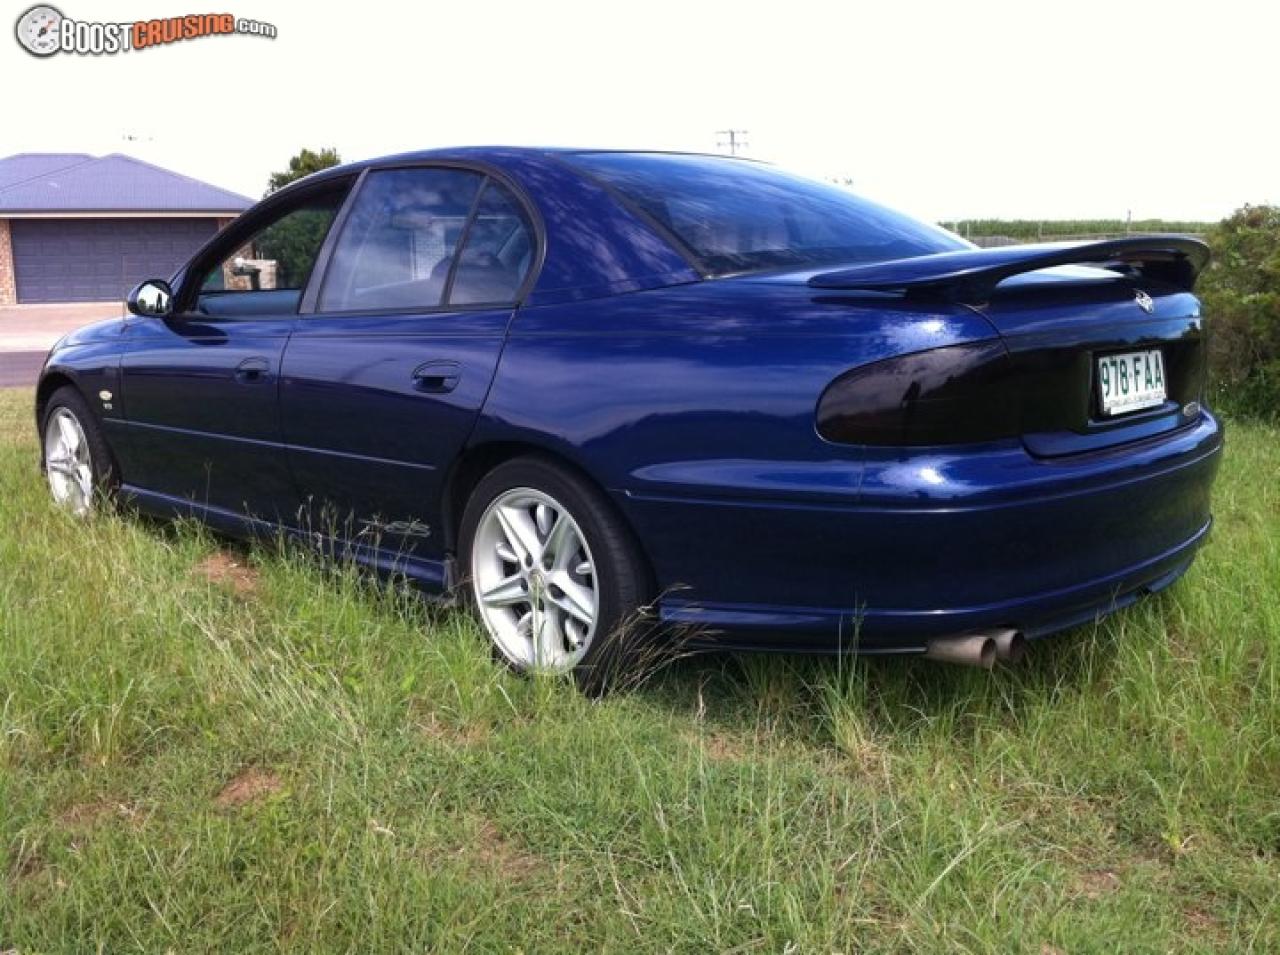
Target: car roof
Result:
[[499, 156]]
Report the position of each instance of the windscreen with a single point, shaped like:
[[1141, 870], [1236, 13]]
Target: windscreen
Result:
[[740, 216]]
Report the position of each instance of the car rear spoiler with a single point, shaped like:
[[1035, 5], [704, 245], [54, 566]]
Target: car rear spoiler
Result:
[[971, 275]]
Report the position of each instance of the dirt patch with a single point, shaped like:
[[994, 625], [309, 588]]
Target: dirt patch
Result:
[[1203, 925], [1098, 883], [440, 731], [482, 849], [225, 570], [722, 747], [251, 785], [496, 852], [85, 815]]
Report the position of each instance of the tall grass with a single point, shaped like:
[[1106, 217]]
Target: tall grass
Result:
[[290, 758]]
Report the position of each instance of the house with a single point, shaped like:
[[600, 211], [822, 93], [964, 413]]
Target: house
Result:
[[81, 228]]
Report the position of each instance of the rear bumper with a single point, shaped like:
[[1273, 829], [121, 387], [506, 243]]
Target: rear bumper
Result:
[[822, 630], [934, 545]]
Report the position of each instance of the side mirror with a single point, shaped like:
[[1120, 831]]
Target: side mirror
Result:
[[151, 299]]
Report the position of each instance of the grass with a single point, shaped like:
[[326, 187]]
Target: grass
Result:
[[207, 749]]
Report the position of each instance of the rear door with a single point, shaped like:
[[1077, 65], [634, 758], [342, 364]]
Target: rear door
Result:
[[392, 358], [200, 387]]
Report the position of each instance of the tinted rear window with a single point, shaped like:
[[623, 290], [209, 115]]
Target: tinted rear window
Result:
[[742, 216]]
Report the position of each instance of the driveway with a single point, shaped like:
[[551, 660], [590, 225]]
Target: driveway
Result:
[[27, 332]]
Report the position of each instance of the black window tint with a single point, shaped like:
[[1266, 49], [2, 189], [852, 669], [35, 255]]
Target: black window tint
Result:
[[279, 257], [741, 216], [498, 251], [397, 246]]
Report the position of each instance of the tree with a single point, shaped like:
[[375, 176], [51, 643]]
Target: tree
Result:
[[1241, 295], [303, 164], [293, 242]]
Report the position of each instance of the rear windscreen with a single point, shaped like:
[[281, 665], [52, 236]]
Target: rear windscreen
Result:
[[741, 216]]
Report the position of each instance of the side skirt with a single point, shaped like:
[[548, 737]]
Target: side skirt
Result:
[[434, 577]]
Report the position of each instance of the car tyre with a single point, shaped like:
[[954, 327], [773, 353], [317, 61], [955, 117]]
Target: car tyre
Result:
[[557, 579]]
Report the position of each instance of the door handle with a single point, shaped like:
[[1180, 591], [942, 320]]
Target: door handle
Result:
[[252, 369], [437, 377]]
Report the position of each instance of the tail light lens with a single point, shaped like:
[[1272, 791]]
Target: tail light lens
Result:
[[953, 395]]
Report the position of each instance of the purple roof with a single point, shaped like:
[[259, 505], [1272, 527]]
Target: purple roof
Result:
[[76, 182], [15, 169]]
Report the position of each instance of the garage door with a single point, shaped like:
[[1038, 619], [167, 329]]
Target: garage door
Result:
[[98, 260]]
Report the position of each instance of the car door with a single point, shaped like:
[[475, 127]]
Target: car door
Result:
[[200, 386], [388, 367]]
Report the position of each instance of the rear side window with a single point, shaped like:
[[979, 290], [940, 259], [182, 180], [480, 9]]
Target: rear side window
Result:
[[740, 216], [397, 247]]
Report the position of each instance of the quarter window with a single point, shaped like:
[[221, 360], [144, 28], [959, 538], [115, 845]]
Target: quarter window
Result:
[[397, 247], [497, 253]]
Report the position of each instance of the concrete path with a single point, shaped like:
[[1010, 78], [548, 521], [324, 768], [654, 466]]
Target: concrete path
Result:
[[28, 328], [19, 369]]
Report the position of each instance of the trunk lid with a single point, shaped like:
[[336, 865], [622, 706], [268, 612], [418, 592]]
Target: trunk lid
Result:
[[1060, 309], [1059, 328]]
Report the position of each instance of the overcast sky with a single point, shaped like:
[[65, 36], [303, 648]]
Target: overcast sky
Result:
[[950, 109]]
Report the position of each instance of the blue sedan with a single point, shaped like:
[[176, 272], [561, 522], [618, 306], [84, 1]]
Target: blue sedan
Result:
[[598, 390]]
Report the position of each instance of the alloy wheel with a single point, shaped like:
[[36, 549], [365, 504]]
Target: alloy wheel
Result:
[[535, 581], [67, 462]]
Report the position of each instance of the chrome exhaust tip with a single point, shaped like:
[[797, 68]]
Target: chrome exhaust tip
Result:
[[1011, 645], [980, 649], [975, 650]]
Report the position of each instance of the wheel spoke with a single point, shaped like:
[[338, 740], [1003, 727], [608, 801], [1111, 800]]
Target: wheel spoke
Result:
[[70, 433], [577, 600], [524, 626], [75, 495], [61, 465], [550, 641], [562, 543], [84, 477], [521, 535], [506, 593], [536, 617]]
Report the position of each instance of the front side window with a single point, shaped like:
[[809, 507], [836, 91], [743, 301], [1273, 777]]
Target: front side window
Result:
[[280, 256], [742, 216], [397, 247]]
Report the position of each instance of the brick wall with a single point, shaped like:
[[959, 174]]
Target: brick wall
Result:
[[8, 288]]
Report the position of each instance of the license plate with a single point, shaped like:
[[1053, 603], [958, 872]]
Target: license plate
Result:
[[1131, 381]]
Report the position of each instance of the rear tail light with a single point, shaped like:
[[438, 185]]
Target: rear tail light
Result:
[[953, 395]]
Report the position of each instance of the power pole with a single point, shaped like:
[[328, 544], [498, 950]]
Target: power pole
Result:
[[735, 139]]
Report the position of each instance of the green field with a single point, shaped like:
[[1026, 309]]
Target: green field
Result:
[[212, 750]]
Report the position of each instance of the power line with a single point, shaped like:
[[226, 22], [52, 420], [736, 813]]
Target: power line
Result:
[[735, 139]]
